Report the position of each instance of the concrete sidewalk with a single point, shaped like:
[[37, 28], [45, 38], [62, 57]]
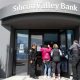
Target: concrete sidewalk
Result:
[[19, 77]]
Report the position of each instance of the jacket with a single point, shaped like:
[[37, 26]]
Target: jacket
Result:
[[32, 55], [75, 49], [45, 51]]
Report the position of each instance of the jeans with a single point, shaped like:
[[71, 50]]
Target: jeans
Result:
[[47, 68]]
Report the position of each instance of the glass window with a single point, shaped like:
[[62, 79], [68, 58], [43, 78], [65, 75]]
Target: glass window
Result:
[[50, 37], [63, 40], [37, 39], [21, 51], [70, 37]]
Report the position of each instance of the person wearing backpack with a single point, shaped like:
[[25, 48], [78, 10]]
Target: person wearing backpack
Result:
[[75, 52], [46, 50], [55, 54]]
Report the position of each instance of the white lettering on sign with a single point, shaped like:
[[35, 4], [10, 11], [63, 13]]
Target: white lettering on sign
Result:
[[69, 7], [46, 5]]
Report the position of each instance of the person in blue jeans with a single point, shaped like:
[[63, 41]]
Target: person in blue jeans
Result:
[[46, 51], [47, 66]]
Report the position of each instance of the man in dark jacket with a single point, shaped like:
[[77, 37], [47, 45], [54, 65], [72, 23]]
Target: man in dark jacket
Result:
[[32, 61], [75, 58]]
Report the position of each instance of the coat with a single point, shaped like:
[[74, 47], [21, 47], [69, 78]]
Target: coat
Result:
[[45, 51]]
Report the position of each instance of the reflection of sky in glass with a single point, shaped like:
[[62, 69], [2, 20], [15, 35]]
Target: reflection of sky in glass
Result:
[[36, 39], [69, 37], [22, 39]]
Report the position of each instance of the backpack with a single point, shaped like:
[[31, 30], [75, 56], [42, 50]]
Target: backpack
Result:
[[56, 55]]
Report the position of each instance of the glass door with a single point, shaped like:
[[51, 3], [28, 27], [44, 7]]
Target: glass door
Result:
[[70, 38], [21, 45], [38, 40], [66, 39], [63, 47], [50, 38]]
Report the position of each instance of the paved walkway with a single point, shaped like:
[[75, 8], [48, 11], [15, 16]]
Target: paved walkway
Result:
[[20, 77]]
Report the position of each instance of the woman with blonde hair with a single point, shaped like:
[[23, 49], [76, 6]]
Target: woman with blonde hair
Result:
[[55, 54]]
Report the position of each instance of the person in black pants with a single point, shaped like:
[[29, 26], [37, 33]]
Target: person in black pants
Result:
[[75, 59], [55, 54], [32, 61]]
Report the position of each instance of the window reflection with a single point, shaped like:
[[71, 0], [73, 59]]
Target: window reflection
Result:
[[69, 37], [63, 40], [21, 46], [37, 39], [21, 51], [49, 37]]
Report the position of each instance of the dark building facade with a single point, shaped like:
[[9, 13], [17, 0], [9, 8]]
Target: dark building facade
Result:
[[40, 21]]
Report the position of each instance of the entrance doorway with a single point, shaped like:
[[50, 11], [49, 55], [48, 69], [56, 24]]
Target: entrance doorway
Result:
[[21, 52], [24, 39], [63, 38]]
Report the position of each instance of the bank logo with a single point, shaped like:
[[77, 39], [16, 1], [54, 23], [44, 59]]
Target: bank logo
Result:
[[46, 5]]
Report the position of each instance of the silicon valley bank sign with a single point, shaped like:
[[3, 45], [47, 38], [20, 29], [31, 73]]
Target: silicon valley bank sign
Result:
[[33, 6], [46, 5]]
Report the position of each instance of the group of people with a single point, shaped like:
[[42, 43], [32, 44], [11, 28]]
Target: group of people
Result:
[[51, 57], [49, 53]]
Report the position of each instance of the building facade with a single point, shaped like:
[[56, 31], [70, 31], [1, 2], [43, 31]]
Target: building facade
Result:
[[40, 21]]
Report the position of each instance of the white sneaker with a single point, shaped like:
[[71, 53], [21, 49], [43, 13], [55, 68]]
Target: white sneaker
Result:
[[70, 78], [49, 77], [59, 78], [45, 76], [54, 78]]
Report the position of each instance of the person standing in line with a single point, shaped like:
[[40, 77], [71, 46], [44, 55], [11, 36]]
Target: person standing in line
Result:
[[32, 61], [55, 54], [74, 48], [46, 50]]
